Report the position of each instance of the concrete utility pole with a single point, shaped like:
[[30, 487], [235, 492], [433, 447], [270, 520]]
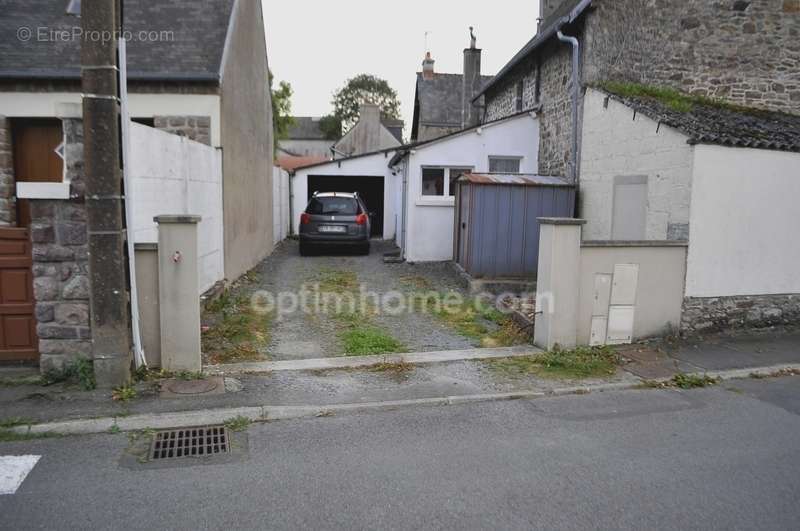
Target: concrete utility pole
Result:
[[111, 339]]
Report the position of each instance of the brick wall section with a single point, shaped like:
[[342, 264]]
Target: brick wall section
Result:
[[60, 265], [709, 315], [7, 205], [197, 128]]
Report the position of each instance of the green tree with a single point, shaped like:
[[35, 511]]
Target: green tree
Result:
[[281, 109], [364, 89], [331, 126]]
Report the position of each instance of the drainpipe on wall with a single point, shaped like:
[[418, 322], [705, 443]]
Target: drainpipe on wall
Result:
[[576, 87]]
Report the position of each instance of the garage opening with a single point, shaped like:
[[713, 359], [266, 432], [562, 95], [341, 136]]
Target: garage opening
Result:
[[369, 188]]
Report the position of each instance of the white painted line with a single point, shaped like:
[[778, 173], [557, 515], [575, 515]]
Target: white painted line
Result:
[[13, 471]]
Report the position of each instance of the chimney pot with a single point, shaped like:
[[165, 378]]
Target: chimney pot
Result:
[[427, 66]]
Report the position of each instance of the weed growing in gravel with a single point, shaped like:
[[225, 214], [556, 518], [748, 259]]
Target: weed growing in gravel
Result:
[[238, 332], [575, 364], [81, 371], [337, 281], [471, 319], [398, 368], [366, 339], [123, 393]]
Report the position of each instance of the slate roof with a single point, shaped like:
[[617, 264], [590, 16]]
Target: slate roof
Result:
[[565, 13], [440, 99], [193, 53], [725, 125], [306, 128]]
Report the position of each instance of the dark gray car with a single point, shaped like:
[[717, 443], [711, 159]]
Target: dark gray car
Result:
[[335, 218]]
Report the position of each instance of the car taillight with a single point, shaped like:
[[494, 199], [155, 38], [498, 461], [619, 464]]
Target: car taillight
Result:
[[361, 219], [305, 218]]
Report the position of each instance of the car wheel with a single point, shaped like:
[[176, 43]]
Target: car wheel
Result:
[[305, 249], [365, 249]]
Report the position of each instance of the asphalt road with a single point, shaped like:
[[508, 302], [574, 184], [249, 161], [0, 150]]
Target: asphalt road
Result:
[[705, 459]]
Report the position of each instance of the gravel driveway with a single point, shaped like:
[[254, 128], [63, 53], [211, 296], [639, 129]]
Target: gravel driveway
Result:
[[301, 335]]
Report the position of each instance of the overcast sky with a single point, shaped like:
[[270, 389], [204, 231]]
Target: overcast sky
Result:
[[317, 45]]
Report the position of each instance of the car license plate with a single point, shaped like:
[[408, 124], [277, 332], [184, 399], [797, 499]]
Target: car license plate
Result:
[[332, 228]]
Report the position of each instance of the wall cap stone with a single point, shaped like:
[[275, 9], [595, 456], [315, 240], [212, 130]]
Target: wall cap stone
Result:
[[179, 218], [561, 221], [634, 243]]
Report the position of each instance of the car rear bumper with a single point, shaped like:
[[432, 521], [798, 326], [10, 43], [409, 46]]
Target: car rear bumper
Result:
[[334, 239]]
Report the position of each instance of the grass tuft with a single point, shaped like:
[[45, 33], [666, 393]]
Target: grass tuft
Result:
[[123, 393], [337, 281], [14, 421], [12, 436], [575, 364], [239, 332], [674, 99], [692, 381], [239, 423], [365, 339]]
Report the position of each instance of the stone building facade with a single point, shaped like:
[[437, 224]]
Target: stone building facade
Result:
[[744, 52], [60, 264], [197, 128], [7, 203]]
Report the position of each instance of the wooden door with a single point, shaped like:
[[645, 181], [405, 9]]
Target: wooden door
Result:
[[18, 341], [35, 158]]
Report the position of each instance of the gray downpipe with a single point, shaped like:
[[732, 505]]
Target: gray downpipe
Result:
[[576, 87]]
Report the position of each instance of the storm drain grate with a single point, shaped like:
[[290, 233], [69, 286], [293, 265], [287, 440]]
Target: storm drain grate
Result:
[[190, 442]]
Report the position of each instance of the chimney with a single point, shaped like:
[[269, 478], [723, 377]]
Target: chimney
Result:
[[471, 83], [427, 67]]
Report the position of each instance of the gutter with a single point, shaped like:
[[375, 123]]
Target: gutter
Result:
[[576, 87], [539, 39]]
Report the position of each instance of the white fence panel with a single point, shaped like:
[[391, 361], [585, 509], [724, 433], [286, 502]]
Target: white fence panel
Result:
[[280, 204], [174, 175]]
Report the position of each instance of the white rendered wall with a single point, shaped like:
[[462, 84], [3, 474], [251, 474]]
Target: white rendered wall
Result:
[[174, 175], [280, 204], [745, 236], [43, 105], [430, 219], [369, 166], [616, 144]]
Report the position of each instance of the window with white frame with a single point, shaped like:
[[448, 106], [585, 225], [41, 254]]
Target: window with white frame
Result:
[[441, 181], [504, 164]]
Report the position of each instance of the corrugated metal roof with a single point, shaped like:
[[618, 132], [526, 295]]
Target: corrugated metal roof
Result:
[[519, 179]]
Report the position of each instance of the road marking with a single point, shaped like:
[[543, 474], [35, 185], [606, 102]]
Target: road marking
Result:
[[13, 471]]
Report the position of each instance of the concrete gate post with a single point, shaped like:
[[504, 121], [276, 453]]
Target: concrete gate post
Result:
[[557, 285], [178, 292]]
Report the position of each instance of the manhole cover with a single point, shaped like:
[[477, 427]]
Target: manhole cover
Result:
[[190, 442], [192, 387]]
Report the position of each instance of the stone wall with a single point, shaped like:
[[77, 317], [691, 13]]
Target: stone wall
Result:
[[60, 265], [716, 314], [197, 128], [744, 51], [7, 205]]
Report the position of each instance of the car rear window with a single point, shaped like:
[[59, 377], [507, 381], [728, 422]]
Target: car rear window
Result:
[[343, 206]]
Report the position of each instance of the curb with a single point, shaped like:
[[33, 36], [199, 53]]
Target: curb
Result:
[[267, 413], [355, 362]]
